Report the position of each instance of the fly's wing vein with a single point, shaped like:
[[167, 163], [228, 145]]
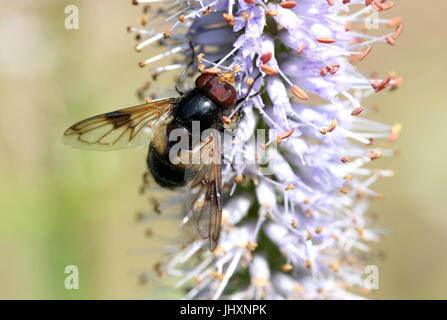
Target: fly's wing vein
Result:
[[205, 206], [120, 129]]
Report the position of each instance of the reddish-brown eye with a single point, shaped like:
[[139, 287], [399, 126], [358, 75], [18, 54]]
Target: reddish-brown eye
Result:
[[204, 79], [223, 94]]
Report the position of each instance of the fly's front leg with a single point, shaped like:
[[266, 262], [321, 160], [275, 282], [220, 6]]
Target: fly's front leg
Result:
[[238, 110]]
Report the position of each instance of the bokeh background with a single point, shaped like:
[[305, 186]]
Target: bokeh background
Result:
[[60, 206]]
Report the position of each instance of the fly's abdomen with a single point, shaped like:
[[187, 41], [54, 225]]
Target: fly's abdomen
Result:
[[166, 174]]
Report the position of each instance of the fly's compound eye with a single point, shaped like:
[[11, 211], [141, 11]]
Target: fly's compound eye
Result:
[[202, 82], [224, 94]]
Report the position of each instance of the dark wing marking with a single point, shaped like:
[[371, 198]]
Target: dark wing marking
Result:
[[125, 128], [206, 189]]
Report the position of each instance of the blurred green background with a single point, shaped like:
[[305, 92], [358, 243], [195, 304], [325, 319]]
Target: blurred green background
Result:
[[61, 206]]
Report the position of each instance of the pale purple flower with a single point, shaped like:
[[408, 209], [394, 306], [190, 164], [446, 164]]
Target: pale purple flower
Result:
[[296, 233]]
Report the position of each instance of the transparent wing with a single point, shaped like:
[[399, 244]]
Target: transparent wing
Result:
[[206, 189], [125, 128]]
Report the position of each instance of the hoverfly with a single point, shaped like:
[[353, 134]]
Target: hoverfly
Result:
[[151, 123]]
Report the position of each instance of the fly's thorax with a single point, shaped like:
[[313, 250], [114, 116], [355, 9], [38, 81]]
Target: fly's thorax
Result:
[[195, 108]]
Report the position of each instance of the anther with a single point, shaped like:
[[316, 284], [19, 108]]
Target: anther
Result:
[[299, 93], [348, 26], [344, 190], [390, 41], [300, 49], [287, 267], [266, 57], [212, 70], [251, 245], [229, 18], [387, 5], [396, 83], [166, 34], [398, 31], [395, 132], [308, 235], [158, 269], [200, 57], [294, 223], [269, 70], [377, 5], [365, 53], [357, 111], [249, 81], [375, 155], [308, 264], [379, 86], [217, 275], [394, 22], [226, 120], [333, 68], [326, 40], [334, 266], [323, 71], [360, 231], [288, 4], [284, 136], [143, 20], [207, 11], [332, 126], [308, 213]]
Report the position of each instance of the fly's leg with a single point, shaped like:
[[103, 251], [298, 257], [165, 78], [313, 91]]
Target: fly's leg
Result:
[[237, 111]]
